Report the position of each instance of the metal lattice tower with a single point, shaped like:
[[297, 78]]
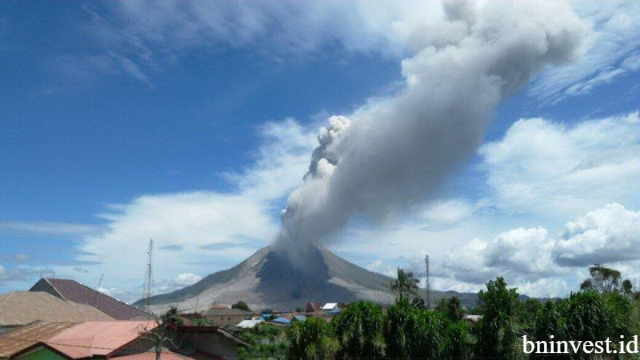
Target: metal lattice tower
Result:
[[426, 263], [148, 283]]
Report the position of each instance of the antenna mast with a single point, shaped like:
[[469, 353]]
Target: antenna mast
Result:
[[95, 293], [426, 263], [149, 279]]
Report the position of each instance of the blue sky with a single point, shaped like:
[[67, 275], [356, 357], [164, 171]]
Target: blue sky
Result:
[[122, 121]]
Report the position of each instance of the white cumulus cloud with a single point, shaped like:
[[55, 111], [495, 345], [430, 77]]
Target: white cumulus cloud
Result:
[[551, 168], [606, 235]]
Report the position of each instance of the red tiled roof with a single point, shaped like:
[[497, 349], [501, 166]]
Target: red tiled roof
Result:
[[73, 291]]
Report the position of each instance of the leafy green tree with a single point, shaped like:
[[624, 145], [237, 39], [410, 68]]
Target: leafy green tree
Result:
[[454, 309], [358, 329], [312, 339], [606, 280], [457, 344], [171, 317], [204, 322], [527, 312], [549, 321], [267, 342], [411, 332], [623, 314], [497, 334], [398, 329], [241, 305], [451, 307], [418, 303], [430, 341], [405, 286]]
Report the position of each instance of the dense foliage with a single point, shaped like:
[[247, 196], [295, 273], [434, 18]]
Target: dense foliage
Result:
[[267, 341], [608, 308], [312, 339], [497, 335], [358, 330], [241, 305]]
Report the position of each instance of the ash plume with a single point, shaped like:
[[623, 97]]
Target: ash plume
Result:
[[397, 150]]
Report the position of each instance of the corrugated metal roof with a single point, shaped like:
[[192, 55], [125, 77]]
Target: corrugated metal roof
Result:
[[74, 291], [25, 307], [169, 355], [98, 338], [249, 324], [29, 335], [329, 306]]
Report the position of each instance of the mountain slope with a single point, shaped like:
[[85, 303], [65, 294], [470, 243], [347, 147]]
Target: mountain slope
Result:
[[268, 280]]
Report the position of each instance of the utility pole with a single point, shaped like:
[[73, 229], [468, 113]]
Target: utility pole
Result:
[[426, 263], [149, 278]]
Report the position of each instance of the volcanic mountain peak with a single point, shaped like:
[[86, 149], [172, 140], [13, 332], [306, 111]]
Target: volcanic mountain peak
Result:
[[269, 280]]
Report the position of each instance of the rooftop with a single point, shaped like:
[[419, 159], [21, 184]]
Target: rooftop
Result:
[[98, 338], [169, 355], [72, 290], [226, 312], [26, 336], [25, 307]]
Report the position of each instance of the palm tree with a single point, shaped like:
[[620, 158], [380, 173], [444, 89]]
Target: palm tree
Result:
[[405, 285]]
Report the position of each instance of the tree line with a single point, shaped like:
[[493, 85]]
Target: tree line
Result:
[[605, 306]]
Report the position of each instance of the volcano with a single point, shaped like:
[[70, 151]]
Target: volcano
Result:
[[269, 280]]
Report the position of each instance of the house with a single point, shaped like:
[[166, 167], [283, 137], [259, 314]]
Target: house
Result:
[[472, 318], [299, 318], [281, 321], [16, 341], [91, 339], [224, 317], [249, 324], [210, 340], [21, 308], [72, 290], [127, 340], [312, 307], [329, 306]]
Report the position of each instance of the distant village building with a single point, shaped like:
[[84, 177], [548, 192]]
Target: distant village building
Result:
[[249, 324], [280, 320], [226, 316], [472, 318], [312, 307], [329, 306], [72, 290], [21, 308]]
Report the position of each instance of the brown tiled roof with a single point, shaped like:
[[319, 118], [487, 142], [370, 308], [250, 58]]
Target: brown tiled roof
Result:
[[29, 335], [97, 338], [312, 307], [72, 290], [25, 307]]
